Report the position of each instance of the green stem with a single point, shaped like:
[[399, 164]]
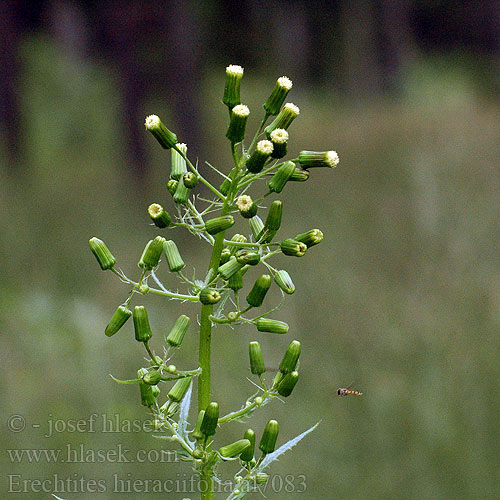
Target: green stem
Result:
[[207, 484]]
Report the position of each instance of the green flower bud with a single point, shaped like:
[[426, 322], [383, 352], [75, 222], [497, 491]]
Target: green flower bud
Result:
[[237, 238], [256, 226], [178, 331], [271, 326], [273, 220], [283, 280], [261, 478], [172, 186], [197, 429], [141, 324], [291, 357], [120, 316], [281, 177], [179, 389], [151, 378], [190, 180], [293, 247], [310, 238], [156, 391], [259, 290], [246, 206], [151, 254], [219, 224], [235, 282], [310, 159], [299, 175], [179, 167], [279, 139], [209, 296], [148, 397], [234, 449], [248, 454], [285, 387], [197, 453], [236, 130], [181, 195], [284, 118], [259, 157], [144, 289], [257, 366], [269, 437], [210, 420], [278, 95], [230, 268], [102, 253], [174, 259], [171, 369], [159, 216], [224, 256], [246, 257], [224, 187], [234, 74], [165, 137]]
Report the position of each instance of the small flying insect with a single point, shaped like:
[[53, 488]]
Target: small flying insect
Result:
[[347, 392]]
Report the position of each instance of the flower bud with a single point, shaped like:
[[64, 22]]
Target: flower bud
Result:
[[257, 366], [289, 361], [279, 139], [237, 238], [259, 157], [230, 268], [285, 387], [224, 257], [209, 296], [224, 187], [269, 437], [310, 159], [259, 290], [197, 429], [172, 186], [281, 177], [261, 478], [179, 167], [190, 180], [102, 253], [235, 282], [273, 220], [141, 324], [151, 378], [271, 326], [246, 206], [248, 454], [256, 226], [148, 396], [178, 331], [165, 137], [293, 247], [310, 238], [174, 259], [283, 280], [246, 257], [234, 449], [151, 254], [210, 420], [179, 389], [234, 74], [299, 175], [120, 316], [159, 216], [278, 95], [156, 391], [236, 130], [219, 224], [284, 118], [181, 195]]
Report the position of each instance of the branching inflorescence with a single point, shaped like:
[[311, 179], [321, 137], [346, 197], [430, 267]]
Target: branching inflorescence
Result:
[[218, 291]]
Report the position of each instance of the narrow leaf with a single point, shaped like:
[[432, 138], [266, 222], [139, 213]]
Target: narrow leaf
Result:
[[184, 412], [135, 381]]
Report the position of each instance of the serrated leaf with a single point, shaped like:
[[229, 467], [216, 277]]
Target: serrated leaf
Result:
[[271, 457]]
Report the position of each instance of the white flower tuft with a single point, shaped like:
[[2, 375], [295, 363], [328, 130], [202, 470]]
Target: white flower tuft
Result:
[[279, 136], [265, 147], [292, 108], [244, 203], [332, 158], [285, 82], [152, 122], [241, 110], [234, 70]]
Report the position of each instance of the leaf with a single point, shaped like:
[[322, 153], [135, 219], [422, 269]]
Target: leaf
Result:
[[184, 412], [135, 381], [287, 446]]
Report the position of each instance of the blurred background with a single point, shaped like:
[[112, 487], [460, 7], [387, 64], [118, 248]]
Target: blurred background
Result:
[[402, 297]]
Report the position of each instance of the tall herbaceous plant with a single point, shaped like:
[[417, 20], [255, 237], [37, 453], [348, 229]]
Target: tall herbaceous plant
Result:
[[246, 197]]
